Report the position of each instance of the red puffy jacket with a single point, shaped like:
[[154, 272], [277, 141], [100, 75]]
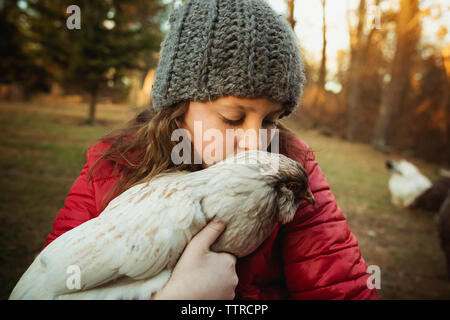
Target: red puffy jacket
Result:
[[313, 257]]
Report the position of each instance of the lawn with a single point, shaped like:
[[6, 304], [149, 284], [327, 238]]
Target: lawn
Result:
[[42, 151], [42, 147]]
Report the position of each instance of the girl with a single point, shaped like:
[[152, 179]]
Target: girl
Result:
[[227, 64]]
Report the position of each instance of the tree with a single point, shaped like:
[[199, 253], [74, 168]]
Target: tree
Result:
[[291, 19], [114, 36], [319, 89], [356, 63], [323, 63], [408, 33], [19, 66]]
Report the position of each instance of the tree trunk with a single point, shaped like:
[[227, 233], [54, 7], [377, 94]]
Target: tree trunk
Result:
[[320, 88], [408, 34], [356, 64], [446, 110], [291, 20], [323, 64]]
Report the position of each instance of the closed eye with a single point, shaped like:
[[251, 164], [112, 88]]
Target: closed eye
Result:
[[240, 121], [233, 122]]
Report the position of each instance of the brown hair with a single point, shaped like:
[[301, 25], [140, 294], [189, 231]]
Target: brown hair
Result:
[[142, 148]]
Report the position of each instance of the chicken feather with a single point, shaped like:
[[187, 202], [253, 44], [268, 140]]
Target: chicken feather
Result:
[[130, 249]]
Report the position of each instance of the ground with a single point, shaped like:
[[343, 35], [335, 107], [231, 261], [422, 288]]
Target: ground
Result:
[[42, 148]]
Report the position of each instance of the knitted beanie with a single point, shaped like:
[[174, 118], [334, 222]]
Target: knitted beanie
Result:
[[216, 48]]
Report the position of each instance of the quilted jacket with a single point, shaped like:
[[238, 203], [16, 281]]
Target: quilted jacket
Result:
[[315, 256]]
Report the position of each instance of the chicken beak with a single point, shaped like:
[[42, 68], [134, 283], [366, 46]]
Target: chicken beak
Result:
[[310, 198]]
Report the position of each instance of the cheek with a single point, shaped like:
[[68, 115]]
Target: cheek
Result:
[[215, 144], [272, 139], [209, 139]]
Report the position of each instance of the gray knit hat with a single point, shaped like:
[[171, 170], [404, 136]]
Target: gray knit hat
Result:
[[216, 48]]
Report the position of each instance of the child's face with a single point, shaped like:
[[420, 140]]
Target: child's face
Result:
[[207, 123]]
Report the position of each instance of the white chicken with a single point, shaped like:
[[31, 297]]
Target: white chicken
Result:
[[130, 249], [406, 182]]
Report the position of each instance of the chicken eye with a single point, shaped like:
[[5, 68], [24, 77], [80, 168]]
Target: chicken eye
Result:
[[294, 187]]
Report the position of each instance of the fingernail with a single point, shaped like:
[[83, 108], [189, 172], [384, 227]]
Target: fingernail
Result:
[[218, 224]]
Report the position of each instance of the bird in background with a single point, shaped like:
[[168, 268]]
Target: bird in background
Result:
[[406, 182], [411, 189]]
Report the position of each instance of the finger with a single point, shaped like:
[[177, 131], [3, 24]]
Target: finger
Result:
[[233, 258], [228, 257], [209, 234]]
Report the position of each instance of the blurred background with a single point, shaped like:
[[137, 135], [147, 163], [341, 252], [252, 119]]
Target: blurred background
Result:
[[378, 89]]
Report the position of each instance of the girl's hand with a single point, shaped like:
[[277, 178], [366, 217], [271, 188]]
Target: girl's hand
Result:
[[201, 274]]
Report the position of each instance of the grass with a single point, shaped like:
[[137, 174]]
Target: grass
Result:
[[42, 153], [42, 149]]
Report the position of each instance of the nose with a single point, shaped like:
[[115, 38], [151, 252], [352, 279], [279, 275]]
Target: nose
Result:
[[249, 139]]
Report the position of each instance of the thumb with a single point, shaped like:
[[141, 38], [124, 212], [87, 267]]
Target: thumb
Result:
[[209, 234]]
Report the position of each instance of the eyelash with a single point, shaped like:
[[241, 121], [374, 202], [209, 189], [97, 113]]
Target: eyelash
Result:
[[238, 122]]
